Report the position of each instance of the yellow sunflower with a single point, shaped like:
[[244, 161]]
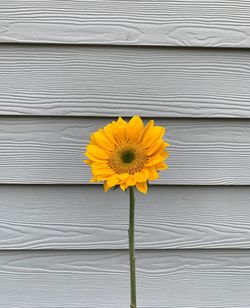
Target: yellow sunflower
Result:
[[127, 154]]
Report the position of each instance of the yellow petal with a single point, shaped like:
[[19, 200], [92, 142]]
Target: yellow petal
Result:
[[101, 173], [87, 161], [97, 152], [164, 153], [140, 177], [102, 167], [109, 133], [120, 133], [106, 186], [147, 129], [92, 139], [123, 186], [103, 141], [153, 135], [161, 166], [145, 172], [142, 187], [123, 176], [120, 121], [161, 155], [95, 159], [113, 180], [94, 179], [103, 170], [131, 180], [155, 147], [135, 128], [153, 175], [154, 161]]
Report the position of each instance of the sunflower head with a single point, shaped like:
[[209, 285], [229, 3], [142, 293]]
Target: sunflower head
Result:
[[127, 154]]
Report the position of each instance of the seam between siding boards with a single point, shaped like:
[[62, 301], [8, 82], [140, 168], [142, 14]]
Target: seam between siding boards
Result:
[[120, 46]]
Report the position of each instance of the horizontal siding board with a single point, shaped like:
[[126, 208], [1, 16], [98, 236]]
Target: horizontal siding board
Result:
[[112, 81], [210, 23], [41, 150], [214, 279], [83, 217]]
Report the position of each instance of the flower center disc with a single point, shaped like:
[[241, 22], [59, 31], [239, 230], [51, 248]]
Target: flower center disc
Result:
[[128, 158]]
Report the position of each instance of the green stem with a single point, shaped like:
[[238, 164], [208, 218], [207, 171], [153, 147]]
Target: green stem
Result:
[[132, 247]]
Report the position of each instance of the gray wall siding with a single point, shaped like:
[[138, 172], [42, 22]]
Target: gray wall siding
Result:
[[90, 279], [110, 81], [50, 150], [212, 23], [83, 217], [63, 242]]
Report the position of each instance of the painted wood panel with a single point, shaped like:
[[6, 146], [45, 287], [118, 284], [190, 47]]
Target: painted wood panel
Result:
[[222, 23], [91, 279], [50, 150], [83, 217], [112, 81]]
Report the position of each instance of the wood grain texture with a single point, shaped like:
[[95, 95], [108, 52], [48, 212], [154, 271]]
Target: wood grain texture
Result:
[[41, 150], [93, 279], [112, 81], [222, 23], [83, 217]]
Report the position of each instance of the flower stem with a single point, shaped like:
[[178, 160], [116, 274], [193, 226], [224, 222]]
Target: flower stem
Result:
[[132, 247]]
